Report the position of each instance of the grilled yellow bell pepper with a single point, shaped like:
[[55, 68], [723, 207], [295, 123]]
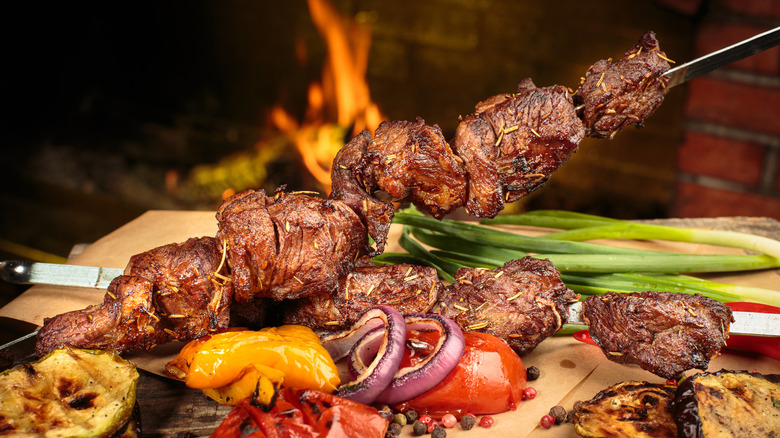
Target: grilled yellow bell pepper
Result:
[[234, 365]]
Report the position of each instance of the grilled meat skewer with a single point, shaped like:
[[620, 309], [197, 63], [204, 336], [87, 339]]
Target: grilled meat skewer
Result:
[[662, 332], [302, 250], [506, 149], [522, 302]]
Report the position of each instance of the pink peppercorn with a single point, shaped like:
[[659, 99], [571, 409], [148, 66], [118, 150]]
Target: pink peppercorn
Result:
[[547, 421], [529, 393], [486, 421], [448, 420], [425, 419]]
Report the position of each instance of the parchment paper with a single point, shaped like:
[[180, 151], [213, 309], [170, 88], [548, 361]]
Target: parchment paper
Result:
[[570, 370]]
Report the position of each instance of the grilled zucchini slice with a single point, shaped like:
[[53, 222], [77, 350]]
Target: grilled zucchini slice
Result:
[[728, 404], [628, 409], [68, 393]]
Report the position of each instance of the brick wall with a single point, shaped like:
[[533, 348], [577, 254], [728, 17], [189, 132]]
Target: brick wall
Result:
[[729, 159]]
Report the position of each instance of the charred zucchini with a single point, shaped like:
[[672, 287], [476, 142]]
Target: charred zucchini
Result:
[[728, 404], [69, 392], [628, 409]]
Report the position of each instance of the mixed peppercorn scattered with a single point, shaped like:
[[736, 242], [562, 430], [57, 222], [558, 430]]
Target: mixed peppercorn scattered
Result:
[[425, 424]]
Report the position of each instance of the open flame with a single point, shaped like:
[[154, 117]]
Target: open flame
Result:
[[341, 100]]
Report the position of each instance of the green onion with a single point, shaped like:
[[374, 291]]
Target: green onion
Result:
[[582, 227], [591, 268]]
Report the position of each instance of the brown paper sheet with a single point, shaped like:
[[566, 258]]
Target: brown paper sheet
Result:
[[570, 370]]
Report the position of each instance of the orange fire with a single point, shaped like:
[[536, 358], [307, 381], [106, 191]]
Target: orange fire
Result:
[[342, 99]]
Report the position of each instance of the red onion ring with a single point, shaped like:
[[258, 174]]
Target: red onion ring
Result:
[[409, 382], [381, 334]]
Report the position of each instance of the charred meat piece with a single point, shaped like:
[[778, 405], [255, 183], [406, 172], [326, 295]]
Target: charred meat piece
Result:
[[662, 332], [628, 409], [512, 143], [192, 292], [318, 242], [288, 246], [349, 187], [728, 403], [412, 162], [404, 162], [248, 232], [125, 321], [522, 302], [407, 288], [626, 92]]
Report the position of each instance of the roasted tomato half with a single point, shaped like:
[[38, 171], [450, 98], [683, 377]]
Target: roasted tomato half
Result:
[[303, 413], [489, 379]]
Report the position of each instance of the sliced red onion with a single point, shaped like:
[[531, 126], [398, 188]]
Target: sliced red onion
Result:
[[409, 382], [379, 336], [339, 344]]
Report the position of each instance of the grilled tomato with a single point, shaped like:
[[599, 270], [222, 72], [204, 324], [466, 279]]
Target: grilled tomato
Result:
[[489, 379]]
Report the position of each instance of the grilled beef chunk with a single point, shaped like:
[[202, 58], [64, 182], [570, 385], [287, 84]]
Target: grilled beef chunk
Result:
[[172, 292], [192, 293], [348, 186], [248, 232], [728, 403], [404, 162], [662, 332], [288, 246], [126, 321], [628, 409], [407, 288], [626, 92], [412, 162], [522, 302], [512, 143]]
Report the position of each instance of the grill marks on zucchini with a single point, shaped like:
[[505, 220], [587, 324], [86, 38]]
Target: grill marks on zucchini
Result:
[[636, 409], [730, 403], [70, 392]]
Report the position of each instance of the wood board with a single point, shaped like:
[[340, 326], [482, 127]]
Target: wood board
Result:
[[570, 370]]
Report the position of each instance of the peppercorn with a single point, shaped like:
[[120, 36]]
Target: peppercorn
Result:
[[394, 430], [467, 422], [419, 428], [439, 432], [559, 413], [532, 373], [411, 416], [486, 421], [448, 420], [400, 419], [571, 416], [529, 393], [547, 421]]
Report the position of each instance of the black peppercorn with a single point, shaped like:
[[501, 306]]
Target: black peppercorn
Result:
[[419, 428], [393, 430], [559, 413], [532, 373], [467, 422], [439, 432], [411, 416]]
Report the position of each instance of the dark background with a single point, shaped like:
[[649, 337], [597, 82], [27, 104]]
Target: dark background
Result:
[[103, 101]]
